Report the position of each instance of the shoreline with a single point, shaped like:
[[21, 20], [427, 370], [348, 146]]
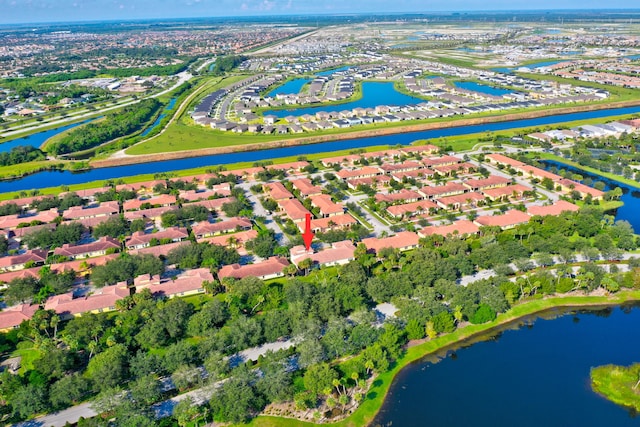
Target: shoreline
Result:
[[410, 128], [366, 413]]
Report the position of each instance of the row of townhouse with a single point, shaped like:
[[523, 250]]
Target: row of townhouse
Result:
[[565, 185]]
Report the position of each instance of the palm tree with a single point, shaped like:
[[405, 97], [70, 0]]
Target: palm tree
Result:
[[306, 265]]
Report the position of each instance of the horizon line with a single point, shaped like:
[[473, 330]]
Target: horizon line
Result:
[[337, 14]]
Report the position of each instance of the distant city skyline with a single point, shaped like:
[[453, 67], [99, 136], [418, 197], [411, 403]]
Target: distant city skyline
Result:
[[36, 11]]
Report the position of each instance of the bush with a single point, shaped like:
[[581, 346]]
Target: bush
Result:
[[483, 314]]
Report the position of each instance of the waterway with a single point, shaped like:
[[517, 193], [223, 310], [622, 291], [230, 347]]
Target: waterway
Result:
[[480, 88], [290, 87], [373, 94], [169, 107], [630, 195], [56, 178], [332, 71], [537, 375], [37, 139]]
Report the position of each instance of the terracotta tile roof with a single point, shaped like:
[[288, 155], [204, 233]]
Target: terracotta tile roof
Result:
[[338, 253], [189, 281], [442, 160], [449, 188], [490, 182], [401, 241], [502, 159], [271, 267], [103, 299], [160, 250], [289, 166], [162, 200], [241, 238], [102, 245], [460, 168], [141, 239], [326, 205], [149, 213], [465, 199], [402, 167], [194, 196], [205, 228], [214, 204], [305, 187], [555, 209], [103, 209], [12, 221], [20, 274], [539, 173], [419, 207], [293, 209], [324, 224], [508, 191], [375, 181], [422, 149], [19, 233], [77, 265], [35, 255], [277, 191], [581, 188], [365, 172], [461, 227], [401, 195], [13, 316], [508, 219]]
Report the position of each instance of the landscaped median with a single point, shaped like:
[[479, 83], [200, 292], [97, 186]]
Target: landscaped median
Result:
[[367, 411]]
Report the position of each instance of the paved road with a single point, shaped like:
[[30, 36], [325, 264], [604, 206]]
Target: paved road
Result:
[[182, 77], [259, 210]]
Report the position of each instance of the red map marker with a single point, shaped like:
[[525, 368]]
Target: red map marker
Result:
[[308, 235]]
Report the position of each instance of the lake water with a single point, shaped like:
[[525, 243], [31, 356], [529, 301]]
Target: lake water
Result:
[[169, 107], [56, 178], [509, 70], [332, 71], [630, 196], [37, 139], [373, 94], [478, 87], [537, 375], [290, 87]]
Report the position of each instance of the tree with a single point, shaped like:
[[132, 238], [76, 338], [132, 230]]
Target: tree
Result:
[[186, 376], [108, 369], [69, 390], [28, 400], [415, 330], [483, 314], [186, 411], [236, 400], [431, 330], [145, 390], [319, 377]]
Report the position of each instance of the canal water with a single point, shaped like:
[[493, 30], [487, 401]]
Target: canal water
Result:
[[169, 107], [37, 139], [535, 375], [56, 178], [630, 195], [373, 94]]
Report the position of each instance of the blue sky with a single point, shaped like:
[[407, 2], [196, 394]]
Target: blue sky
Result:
[[22, 11]]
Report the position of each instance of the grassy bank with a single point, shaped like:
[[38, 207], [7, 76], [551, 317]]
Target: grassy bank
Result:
[[188, 139], [376, 395], [619, 384]]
